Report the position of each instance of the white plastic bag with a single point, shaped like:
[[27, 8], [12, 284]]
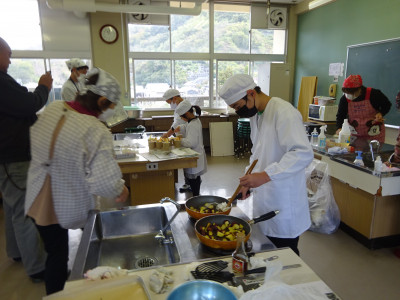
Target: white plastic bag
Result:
[[275, 289], [324, 212]]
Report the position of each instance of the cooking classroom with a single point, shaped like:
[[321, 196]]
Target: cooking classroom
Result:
[[199, 149]]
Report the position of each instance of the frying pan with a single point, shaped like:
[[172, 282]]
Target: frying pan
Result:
[[219, 220], [198, 201]]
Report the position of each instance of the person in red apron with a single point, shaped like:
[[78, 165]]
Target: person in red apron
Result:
[[395, 157], [364, 107]]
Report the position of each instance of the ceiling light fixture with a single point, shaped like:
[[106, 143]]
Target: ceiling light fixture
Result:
[[317, 3]]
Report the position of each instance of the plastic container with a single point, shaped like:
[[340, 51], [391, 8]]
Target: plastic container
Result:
[[322, 137], [359, 161], [344, 134], [166, 146], [378, 165], [314, 137], [325, 101]]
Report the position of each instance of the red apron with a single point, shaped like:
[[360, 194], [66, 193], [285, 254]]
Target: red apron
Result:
[[362, 116]]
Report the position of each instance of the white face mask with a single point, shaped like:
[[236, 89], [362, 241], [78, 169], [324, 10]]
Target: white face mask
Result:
[[350, 96], [173, 105], [109, 112], [81, 79]]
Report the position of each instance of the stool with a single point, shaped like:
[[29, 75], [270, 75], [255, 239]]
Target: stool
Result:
[[242, 143]]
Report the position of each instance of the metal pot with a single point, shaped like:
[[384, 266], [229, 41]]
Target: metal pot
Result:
[[219, 220]]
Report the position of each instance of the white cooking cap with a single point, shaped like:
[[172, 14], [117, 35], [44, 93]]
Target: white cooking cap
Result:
[[235, 88], [75, 63], [183, 107], [107, 85], [170, 93]]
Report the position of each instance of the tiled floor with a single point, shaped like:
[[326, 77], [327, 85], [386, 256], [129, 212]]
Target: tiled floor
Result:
[[350, 269]]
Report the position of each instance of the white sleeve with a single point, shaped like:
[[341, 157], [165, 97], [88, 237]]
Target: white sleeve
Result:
[[293, 141], [68, 92], [191, 139], [183, 129], [177, 121]]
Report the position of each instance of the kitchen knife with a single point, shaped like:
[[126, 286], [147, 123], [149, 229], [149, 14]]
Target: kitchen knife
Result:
[[255, 278], [263, 269]]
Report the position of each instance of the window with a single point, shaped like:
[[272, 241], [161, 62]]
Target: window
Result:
[[151, 79], [231, 28], [148, 38], [192, 80], [190, 33], [27, 71], [179, 54], [32, 55], [264, 41], [22, 32]]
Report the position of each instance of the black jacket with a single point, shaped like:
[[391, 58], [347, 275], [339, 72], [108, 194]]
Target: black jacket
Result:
[[18, 109]]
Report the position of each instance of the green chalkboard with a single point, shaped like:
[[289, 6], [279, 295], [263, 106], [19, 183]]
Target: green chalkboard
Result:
[[378, 63]]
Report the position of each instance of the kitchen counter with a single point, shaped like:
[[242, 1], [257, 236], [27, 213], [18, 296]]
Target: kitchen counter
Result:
[[300, 276], [192, 253], [369, 203], [363, 177]]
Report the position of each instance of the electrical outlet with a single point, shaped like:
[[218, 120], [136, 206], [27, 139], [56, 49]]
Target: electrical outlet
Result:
[[152, 166]]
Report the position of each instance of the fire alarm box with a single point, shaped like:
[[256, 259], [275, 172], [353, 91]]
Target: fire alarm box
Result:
[[332, 90]]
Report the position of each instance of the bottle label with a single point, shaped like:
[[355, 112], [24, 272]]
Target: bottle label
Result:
[[322, 143], [238, 265]]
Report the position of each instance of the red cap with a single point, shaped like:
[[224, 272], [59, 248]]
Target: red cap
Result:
[[353, 81]]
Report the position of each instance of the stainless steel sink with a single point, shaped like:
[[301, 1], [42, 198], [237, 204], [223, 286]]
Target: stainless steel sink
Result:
[[126, 239], [367, 158]]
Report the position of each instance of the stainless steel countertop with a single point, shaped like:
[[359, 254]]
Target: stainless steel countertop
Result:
[[190, 248]]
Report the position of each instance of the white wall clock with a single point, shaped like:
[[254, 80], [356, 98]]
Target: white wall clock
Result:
[[108, 34]]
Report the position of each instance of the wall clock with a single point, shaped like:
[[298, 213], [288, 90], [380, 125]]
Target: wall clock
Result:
[[108, 34]]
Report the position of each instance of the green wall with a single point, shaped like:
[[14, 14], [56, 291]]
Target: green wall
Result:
[[324, 34]]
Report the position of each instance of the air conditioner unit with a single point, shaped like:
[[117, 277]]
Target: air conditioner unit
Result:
[[139, 18], [277, 18]]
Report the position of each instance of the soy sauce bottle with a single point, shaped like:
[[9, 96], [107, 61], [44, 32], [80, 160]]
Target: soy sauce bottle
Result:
[[240, 259]]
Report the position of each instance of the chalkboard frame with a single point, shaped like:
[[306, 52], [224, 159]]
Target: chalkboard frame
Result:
[[378, 63]]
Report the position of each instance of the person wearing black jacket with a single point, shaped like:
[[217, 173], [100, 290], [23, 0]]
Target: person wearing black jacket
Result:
[[18, 109]]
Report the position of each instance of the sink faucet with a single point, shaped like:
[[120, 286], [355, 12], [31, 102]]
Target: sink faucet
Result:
[[371, 148], [161, 235]]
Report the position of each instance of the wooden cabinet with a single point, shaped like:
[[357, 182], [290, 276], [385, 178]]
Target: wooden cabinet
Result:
[[369, 205], [147, 186], [373, 216]]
